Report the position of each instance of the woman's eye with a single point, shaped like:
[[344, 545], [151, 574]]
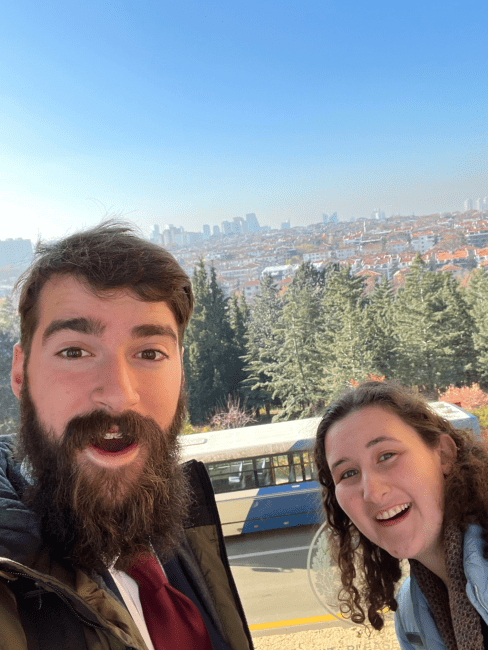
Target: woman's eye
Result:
[[386, 456], [152, 355], [349, 473], [73, 353]]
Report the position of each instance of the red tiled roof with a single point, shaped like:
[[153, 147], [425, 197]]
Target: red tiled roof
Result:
[[459, 255], [368, 272]]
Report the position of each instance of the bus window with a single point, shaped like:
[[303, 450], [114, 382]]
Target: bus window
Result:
[[248, 475], [297, 465], [308, 470], [229, 476], [263, 471], [280, 466]]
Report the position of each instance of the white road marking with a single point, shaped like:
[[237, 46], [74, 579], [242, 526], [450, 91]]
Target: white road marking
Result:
[[279, 550]]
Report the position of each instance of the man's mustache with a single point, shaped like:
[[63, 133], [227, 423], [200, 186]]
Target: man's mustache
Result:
[[91, 428]]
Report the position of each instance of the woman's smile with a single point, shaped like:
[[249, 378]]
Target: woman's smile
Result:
[[388, 481]]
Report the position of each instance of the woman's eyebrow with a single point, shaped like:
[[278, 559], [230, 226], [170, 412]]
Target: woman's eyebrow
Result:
[[369, 444], [375, 441]]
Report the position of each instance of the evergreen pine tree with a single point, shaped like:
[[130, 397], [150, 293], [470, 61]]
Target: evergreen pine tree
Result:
[[426, 330], [297, 371], [382, 339], [9, 335], [458, 318], [238, 318], [477, 300], [343, 341], [263, 340], [210, 358]]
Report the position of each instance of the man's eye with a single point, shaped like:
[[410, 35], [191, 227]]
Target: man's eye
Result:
[[73, 353], [152, 355]]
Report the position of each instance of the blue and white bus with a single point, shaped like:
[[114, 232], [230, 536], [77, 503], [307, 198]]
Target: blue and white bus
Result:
[[263, 476]]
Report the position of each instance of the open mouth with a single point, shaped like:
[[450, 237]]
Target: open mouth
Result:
[[114, 442], [393, 515]]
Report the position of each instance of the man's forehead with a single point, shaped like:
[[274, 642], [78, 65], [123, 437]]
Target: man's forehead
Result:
[[69, 297]]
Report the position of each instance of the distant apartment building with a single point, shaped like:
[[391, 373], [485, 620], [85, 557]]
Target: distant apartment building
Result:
[[278, 272], [216, 231], [422, 241], [228, 285], [468, 205], [481, 256], [344, 253], [405, 260], [206, 231], [247, 272], [477, 235], [396, 246], [251, 290], [315, 257], [353, 239], [268, 258], [371, 246], [285, 225]]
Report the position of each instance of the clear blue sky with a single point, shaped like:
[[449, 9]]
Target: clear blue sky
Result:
[[194, 112]]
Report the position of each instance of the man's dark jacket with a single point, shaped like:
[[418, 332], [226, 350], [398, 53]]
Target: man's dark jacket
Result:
[[48, 604]]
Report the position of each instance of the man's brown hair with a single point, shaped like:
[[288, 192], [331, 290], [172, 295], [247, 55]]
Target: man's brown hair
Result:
[[109, 257]]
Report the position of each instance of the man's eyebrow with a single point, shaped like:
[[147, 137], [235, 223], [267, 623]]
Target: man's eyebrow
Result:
[[82, 325], [146, 330], [369, 444]]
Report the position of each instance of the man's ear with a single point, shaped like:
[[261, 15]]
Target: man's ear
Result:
[[448, 452], [17, 375]]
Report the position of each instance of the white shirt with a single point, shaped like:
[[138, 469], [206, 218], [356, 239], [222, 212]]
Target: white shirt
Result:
[[129, 590]]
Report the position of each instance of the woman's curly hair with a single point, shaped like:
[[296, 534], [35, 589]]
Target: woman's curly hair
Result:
[[466, 497]]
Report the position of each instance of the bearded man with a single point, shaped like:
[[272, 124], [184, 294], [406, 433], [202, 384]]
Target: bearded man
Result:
[[106, 541]]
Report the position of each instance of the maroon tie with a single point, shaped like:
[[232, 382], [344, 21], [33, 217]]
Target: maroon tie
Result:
[[173, 621]]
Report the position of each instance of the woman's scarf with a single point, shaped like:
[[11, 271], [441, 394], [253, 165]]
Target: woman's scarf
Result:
[[458, 622]]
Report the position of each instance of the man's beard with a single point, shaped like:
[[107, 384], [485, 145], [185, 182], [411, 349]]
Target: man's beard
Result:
[[101, 516]]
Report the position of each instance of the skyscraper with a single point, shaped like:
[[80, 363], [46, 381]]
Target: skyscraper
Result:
[[252, 223]]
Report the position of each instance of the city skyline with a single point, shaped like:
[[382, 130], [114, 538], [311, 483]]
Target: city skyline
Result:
[[180, 235], [193, 115]]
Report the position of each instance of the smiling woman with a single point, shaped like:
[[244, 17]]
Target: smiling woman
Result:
[[399, 482]]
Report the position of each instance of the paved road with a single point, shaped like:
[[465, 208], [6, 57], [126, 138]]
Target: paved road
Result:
[[270, 569]]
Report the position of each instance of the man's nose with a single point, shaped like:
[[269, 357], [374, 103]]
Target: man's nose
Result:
[[115, 386], [375, 487]]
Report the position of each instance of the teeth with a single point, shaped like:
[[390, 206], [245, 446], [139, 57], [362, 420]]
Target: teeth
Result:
[[111, 436], [388, 514]]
